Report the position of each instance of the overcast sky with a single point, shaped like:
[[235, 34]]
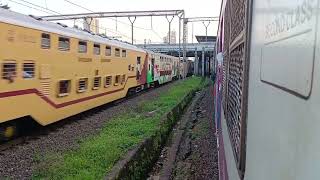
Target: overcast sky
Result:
[[144, 30]]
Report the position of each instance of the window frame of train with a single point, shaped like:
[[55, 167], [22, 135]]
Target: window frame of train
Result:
[[236, 49], [28, 69], [64, 41], [45, 41], [108, 81], [82, 85], [117, 80], [96, 82], [82, 47], [137, 69], [117, 52], [123, 79], [124, 53], [108, 51], [9, 66], [236, 44], [96, 49], [67, 88]]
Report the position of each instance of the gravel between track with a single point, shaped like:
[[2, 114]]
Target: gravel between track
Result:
[[19, 162], [193, 154], [198, 156]]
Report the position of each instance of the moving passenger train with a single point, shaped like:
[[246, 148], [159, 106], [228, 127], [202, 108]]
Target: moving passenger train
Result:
[[49, 71], [268, 90]]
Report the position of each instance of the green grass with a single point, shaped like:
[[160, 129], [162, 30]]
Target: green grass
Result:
[[96, 155]]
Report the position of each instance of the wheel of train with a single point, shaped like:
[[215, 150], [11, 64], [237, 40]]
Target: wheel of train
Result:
[[8, 131]]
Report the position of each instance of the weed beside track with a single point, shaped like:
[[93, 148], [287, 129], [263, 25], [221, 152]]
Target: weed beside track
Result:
[[96, 155]]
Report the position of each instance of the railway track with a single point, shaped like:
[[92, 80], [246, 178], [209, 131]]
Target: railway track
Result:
[[19, 158], [12, 143], [35, 131]]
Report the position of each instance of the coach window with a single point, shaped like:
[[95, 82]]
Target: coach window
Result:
[[117, 80], [64, 87], [82, 85], [9, 70], [108, 50], [28, 70], [45, 41], [124, 53], [123, 79], [96, 83], [96, 49], [108, 81], [82, 47], [117, 52], [64, 44]]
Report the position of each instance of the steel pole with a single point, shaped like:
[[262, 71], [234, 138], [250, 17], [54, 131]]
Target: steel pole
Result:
[[132, 22], [185, 22], [179, 38], [206, 34], [192, 34], [206, 26], [203, 62], [169, 21], [196, 61]]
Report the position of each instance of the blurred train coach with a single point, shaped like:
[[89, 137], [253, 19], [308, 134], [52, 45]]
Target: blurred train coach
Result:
[[267, 93], [49, 71]]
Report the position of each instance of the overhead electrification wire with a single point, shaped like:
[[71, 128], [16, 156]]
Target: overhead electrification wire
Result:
[[38, 6], [75, 4], [52, 12], [147, 29], [115, 32], [31, 7]]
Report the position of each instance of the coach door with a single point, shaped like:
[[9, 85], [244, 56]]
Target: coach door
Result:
[[152, 68], [138, 69], [45, 79]]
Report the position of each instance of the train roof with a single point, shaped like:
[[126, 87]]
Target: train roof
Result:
[[10, 17]]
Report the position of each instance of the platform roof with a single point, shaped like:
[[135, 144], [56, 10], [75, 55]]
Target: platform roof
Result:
[[202, 39]]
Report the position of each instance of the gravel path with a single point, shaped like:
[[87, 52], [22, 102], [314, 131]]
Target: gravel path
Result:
[[19, 162], [198, 157], [192, 153]]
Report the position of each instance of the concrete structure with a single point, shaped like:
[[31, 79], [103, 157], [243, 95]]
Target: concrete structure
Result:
[[204, 39], [173, 38], [203, 54], [173, 49], [91, 24]]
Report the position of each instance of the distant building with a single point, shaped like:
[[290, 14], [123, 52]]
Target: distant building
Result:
[[173, 38], [92, 25], [187, 34]]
